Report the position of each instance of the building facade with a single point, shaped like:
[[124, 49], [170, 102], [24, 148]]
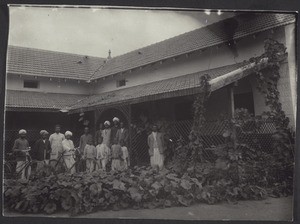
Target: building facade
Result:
[[157, 83]]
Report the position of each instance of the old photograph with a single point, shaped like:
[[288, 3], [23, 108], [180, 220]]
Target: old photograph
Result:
[[144, 113]]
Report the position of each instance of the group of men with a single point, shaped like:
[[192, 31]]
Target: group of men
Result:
[[108, 148]]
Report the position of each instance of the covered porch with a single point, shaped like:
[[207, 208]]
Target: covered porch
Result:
[[169, 103]]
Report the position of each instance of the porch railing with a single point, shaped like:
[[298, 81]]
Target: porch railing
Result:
[[255, 135]]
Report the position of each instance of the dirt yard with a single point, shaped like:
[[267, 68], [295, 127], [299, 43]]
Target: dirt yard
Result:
[[275, 209]]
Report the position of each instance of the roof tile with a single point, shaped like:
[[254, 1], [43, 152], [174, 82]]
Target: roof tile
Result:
[[204, 37], [27, 99], [37, 62], [152, 89]]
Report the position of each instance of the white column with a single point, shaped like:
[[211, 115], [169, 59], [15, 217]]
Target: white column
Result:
[[292, 66]]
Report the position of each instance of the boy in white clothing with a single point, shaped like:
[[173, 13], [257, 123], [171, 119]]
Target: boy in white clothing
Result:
[[89, 153], [102, 155], [125, 159]]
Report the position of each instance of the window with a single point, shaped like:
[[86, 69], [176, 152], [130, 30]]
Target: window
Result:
[[121, 82], [31, 84]]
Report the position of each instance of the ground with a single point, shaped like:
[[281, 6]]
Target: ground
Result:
[[275, 209]]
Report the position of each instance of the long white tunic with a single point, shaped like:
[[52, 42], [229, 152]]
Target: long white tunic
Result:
[[56, 144]]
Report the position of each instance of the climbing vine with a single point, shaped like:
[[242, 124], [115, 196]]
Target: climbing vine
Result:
[[267, 80], [237, 166]]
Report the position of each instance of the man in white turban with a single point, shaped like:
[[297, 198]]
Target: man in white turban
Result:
[[115, 129], [68, 152], [22, 131], [41, 150], [20, 147], [106, 134], [115, 119]]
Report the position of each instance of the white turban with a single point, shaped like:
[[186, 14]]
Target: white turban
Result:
[[22, 131], [107, 122], [68, 133], [116, 119], [44, 132]]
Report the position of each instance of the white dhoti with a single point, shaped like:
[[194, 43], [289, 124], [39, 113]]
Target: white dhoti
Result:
[[157, 159], [53, 156], [21, 169], [116, 164], [101, 163], [102, 155], [89, 165], [70, 161]]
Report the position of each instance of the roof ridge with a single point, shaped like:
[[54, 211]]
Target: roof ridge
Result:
[[174, 37], [213, 26], [178, 36]]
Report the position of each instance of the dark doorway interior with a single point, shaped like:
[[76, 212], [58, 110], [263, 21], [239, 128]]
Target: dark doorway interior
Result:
[[244, 100], [109, 114], [183, 110]]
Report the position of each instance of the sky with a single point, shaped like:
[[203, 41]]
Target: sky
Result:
[[93, 31]]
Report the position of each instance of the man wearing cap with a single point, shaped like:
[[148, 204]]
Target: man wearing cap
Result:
[[86, 137], [106, 134], [122, 134], [56, 143], [68, 152], [20, 146], [115, 129], [42, 149]]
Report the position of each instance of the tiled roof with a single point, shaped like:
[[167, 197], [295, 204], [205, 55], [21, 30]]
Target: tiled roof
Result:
[[201, 38], [37, 100], [179, 86], [37, 62]]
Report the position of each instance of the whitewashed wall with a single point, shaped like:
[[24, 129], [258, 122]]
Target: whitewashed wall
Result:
[[14, 82], [211, 58]]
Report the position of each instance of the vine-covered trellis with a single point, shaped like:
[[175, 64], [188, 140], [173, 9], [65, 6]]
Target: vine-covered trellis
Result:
[[237, 166]]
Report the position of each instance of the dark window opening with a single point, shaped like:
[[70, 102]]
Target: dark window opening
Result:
[[121, 82], [31, 84], [244, 100]]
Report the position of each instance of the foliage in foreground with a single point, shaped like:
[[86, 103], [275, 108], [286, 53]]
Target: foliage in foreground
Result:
[[138, 188]]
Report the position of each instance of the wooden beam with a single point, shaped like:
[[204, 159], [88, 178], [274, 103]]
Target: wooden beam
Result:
[[230, 90]]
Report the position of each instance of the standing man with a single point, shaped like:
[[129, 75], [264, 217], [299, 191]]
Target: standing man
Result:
[[86, 137], [42, 150], [98, 135], [69, 149], [156, 148], [20, 147], [89, 154], [56, 142], [123, 137], [106, 134], [122, 134], [115, 129]]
